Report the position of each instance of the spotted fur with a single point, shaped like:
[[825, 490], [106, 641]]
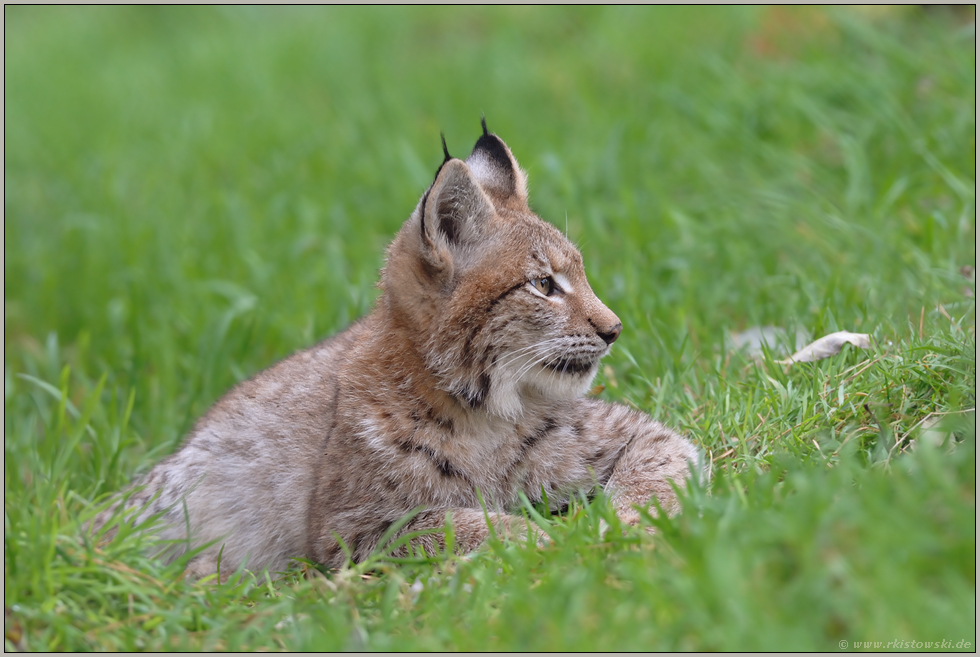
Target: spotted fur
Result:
[[464, 383]]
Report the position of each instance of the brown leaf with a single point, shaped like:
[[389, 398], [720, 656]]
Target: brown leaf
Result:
[[12, 629]]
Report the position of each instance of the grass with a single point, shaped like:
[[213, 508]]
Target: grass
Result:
[[191, 194]]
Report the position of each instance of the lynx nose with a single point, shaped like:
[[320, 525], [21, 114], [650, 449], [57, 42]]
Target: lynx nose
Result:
[[613, 333]]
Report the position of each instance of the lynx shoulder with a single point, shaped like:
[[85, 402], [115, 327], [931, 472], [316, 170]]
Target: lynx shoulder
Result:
[[463, 388]]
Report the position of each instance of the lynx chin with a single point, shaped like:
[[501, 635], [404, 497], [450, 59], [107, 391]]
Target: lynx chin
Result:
[[466, 381]]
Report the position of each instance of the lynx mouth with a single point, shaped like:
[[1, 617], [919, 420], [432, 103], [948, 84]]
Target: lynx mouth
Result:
[[571, 365]]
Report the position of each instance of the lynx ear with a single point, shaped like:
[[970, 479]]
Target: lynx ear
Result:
[[454, 213], [495, 168]]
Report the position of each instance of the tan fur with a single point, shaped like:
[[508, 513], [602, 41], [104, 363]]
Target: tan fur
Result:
[[465, 380]]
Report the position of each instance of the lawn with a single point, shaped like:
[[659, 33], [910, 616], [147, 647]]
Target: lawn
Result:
[[191, 194]]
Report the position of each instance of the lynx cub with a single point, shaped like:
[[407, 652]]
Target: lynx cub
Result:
[[467, 376]]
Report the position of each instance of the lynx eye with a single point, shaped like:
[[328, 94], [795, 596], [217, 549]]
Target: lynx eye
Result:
[[545, 285]]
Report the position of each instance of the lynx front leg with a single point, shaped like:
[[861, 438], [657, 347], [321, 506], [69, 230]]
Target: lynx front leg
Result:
[[653, 460], [653, 456], [470, 529], [363, 536]]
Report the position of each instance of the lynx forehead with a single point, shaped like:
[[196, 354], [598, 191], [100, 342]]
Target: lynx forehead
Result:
[[462, 388]]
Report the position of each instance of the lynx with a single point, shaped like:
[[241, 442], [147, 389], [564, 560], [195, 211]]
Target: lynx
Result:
[[462, 389]]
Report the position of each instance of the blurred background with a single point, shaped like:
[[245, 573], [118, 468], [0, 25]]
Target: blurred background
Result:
[[192, 193]]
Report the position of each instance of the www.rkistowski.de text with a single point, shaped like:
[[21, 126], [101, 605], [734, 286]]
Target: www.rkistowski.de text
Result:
[[909, 644]]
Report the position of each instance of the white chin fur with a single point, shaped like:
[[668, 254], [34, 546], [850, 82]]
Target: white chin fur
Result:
[[554, 385], [511, 385]]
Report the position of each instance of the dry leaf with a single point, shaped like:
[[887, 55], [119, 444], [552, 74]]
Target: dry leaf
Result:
[[827, 346]]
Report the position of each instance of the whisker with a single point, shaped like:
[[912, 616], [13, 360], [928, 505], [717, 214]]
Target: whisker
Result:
[[525, 351], [540, 358]]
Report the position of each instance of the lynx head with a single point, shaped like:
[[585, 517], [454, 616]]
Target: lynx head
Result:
[[496, 299]]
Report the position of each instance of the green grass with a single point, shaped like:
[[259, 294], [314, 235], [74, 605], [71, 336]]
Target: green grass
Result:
[[191, 194]]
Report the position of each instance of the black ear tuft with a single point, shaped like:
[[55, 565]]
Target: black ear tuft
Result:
[[445, 150], [483, 122]]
